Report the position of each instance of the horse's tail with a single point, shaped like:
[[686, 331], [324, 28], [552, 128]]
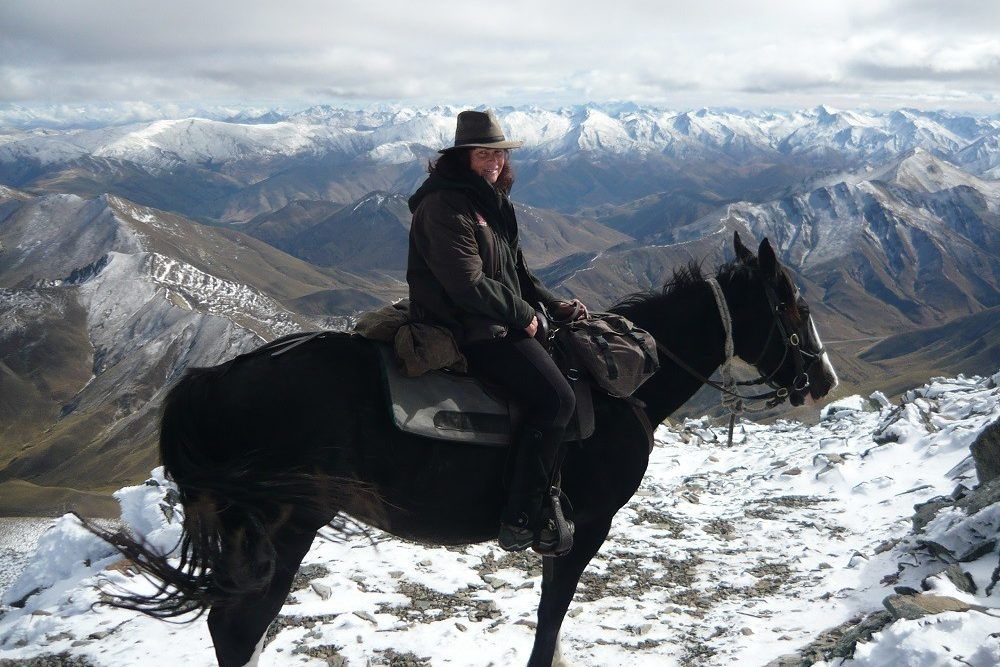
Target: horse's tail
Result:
[[233, 505]]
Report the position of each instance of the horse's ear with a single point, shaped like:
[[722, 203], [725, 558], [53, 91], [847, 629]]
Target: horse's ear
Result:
[[766, 259], [742, 252]]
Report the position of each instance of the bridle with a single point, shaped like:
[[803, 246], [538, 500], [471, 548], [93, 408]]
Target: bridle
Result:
[[780, 323]]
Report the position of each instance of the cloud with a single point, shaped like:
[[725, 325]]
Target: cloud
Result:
[[666, 52]]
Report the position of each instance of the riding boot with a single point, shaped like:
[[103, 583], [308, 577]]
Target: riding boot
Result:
[[530, 485]]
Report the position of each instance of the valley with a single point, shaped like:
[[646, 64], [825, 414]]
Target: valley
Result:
[[131, 252]]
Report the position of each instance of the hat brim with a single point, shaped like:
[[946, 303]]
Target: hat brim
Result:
[[495, 144]]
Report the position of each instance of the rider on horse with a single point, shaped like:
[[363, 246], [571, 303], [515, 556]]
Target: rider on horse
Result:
[[466, 272]]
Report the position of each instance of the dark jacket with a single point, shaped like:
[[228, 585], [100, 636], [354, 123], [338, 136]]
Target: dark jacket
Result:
[[465, 268]]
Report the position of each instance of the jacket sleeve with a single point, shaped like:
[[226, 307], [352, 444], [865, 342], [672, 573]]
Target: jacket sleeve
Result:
[[529, 284], [446, 239]]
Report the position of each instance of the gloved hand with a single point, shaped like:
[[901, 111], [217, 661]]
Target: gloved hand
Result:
[[569, 311]]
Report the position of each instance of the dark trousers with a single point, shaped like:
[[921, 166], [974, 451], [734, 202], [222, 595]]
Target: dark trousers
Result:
[[521, 366]]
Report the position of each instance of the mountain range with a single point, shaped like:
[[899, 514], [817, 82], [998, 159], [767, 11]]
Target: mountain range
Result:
[[131, 252], [573, 157]]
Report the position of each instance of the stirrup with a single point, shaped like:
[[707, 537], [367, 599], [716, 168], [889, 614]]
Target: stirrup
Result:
[[555, 535]]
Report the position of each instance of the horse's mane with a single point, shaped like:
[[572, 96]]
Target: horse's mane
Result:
[[681, 279]]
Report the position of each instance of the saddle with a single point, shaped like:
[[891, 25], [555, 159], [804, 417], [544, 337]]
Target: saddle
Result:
[[447, 405]]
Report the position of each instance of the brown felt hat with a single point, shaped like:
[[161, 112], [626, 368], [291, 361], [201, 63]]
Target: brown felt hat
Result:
[[479, 129]]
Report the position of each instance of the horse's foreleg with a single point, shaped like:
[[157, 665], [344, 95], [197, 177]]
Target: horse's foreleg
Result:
[[559, 579], [238, 627]]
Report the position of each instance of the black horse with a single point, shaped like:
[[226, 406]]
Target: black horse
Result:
[[267, 450]]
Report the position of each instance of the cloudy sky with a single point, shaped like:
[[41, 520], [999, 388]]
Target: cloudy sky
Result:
[[674, 53]]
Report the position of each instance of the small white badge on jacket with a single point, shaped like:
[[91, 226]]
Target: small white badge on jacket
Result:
[[481, 220]]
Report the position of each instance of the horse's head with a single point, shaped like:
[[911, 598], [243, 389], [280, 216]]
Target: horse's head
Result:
[[775, 331]]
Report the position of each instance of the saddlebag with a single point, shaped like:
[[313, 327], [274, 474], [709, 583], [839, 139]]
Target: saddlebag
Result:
[[617, 355]]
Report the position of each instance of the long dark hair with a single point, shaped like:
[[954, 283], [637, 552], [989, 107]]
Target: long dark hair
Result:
[[456, 162]]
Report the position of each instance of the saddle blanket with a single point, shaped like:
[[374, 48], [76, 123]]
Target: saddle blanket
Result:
[[449, 406]]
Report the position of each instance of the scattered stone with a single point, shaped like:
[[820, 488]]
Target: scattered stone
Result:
[[720, 527], [307, 573], [856, 559], [977, 551], [427, 562], [925, 512], [526, 622], [911, 607], [792, 471], [391, 658], [461, 628], [322, 590], [660, 520], [906, 590], [49, 660], [99, 635], [986, 494], [941, 552], [779, 464], [327, 652], [963, 580], [746, 631], [284, 622], [366, 616], [691, 497], [574, 612], [825, 566], [914, 489], [524, 585], [886, 546], [837, 642], [461, 604], [395, 574]]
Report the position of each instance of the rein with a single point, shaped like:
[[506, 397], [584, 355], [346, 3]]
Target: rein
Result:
[[731, 399]]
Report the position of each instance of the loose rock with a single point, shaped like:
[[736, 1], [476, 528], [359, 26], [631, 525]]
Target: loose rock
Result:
[[912, 607], [322, 590], [986, 453]]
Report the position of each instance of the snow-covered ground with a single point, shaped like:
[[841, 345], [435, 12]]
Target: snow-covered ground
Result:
[[18, 537], [726, 556]]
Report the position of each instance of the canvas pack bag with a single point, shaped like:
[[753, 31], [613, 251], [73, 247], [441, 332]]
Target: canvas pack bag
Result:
[[617, 355]]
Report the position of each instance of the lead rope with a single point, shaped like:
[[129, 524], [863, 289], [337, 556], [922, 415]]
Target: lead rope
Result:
[[729, 400]]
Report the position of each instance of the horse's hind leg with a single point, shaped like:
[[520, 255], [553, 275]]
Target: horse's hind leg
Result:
[[238, 627], [559, 580]]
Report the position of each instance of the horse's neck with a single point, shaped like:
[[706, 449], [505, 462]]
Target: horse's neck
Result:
[[686, 322]]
